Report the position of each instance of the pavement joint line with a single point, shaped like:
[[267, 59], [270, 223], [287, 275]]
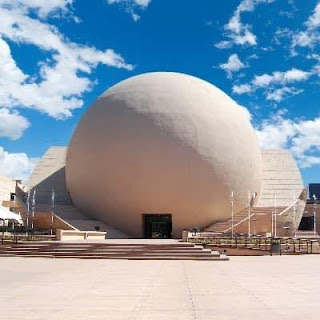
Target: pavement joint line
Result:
[[146, 294], [194, 311], [238, 284]]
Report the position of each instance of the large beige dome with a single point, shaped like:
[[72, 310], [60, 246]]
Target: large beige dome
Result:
[[162, 143]]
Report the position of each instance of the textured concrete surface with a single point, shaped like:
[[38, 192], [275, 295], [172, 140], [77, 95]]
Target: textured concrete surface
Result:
[[261, 288], [162, 143], [49, 174], [7, 186], [281, 177]]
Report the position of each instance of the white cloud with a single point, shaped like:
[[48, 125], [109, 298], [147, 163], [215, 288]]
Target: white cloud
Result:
[[279, 94], [310, 36], [242, 88], [43, 8], [234, 64], [314, 20], [141, 3], [237, 32], [131, 6], [63, 78], [274, 133], [293, 75], [275, 84], [301, 138], [223, 44], [304, 39], [12, 124], [263, 80], [16, 165]]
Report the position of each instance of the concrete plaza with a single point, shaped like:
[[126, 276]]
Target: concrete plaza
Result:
[[278, 287]]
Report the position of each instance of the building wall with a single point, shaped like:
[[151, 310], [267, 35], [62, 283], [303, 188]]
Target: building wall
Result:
[[49, 174], [280, 175], [281, 179], [7, 186]]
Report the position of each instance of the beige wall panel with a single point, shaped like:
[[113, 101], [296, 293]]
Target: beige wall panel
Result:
[[7, 186], [49, 174], [281, 179]]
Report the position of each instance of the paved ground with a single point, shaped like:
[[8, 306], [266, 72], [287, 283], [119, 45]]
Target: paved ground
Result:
[[247, 288]]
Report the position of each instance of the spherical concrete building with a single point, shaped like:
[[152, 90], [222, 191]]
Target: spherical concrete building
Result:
[[161, 151]]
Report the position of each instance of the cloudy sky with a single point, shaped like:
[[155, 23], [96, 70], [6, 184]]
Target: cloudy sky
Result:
[[57, 56]]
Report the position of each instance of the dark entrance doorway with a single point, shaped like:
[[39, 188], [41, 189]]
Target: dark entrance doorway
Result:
[[157, 225], [306, 224]]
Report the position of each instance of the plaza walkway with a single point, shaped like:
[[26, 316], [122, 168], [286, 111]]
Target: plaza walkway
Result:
[[278, 287]]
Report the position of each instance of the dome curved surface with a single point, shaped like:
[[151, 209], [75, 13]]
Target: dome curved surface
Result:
[[162, 143]]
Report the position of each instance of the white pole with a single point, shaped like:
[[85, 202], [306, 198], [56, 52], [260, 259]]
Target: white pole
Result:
[[314, 216], [28, 210], [272, 224], [275, 215], [232, 218], [294, 214], [33, 207], [52, 210], [249, 214]]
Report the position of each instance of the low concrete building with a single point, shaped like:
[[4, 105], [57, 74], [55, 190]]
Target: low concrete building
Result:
[[8, 205]]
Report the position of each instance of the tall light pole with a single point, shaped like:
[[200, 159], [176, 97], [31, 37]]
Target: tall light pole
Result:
[[249, 214], [53, 195], [232, 218], [294, 214], [314, 215], [28, 210], [275, 215], [33, 207]]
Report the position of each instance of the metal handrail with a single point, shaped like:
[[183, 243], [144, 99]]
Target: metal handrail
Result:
[[301, 196]]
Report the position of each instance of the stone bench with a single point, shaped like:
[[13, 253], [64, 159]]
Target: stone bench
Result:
[[63, 235]]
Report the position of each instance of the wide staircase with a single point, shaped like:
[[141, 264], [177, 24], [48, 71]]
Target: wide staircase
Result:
[[241, 217], [129, 251], [306, 234]]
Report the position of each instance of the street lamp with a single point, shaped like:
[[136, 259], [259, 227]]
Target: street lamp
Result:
[[249, 214], [314, 215], [274, 220], [294, 214], [28, 211], [33, 208], [232, 221], [53, 196]]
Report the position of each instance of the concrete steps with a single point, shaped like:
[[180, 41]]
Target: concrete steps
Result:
[[306, 234], [224, 226], [129, 251]]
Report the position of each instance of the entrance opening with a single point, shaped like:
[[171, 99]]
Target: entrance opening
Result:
[[306, 224], [157, 225]]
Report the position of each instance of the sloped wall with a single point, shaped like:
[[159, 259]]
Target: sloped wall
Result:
[[50, 174], [281, 179]]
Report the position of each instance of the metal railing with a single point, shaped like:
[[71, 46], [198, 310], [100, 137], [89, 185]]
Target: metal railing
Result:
[[288, 245]]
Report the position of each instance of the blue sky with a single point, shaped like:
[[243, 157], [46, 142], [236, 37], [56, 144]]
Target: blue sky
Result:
[[58, 56]]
